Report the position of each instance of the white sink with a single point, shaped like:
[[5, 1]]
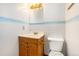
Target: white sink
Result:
[[36, 35]]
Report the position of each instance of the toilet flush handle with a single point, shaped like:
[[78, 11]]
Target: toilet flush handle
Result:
[[49, 50]]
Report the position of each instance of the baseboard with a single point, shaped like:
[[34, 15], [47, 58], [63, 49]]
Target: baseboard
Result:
[[45, 54]]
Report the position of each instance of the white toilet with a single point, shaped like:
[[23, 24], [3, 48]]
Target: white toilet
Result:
[[55, 45]]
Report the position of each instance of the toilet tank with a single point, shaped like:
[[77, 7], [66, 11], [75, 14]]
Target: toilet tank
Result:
[[55, 44]]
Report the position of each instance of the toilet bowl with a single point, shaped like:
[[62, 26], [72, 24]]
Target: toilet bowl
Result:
[[55, 53], [55, 45]]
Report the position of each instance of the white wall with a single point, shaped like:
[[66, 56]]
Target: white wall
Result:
[[10, 29], [11, 10], [72, 30], [54, 11], [9, 39]]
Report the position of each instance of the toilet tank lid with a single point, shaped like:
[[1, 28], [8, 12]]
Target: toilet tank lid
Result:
[[55, 39]]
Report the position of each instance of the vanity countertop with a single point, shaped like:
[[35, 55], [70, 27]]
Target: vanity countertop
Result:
[[36, 35]]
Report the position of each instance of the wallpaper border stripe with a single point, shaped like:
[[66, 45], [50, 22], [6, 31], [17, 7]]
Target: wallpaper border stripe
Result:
[[10, 20]]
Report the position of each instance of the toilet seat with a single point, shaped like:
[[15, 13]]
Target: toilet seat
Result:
[[55, 53]]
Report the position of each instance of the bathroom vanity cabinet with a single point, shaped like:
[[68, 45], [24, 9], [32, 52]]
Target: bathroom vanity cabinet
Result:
[[31, 45]]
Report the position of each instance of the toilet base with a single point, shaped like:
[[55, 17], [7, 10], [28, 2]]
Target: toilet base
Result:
[[55, 53]]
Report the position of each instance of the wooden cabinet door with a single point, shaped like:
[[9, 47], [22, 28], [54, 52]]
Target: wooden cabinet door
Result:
[[31, 46], [32, 49], [22, 47], [40, 49], [23, 50], [41, 46]]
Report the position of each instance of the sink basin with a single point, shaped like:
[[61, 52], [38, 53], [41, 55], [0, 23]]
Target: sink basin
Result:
[[36, 35]]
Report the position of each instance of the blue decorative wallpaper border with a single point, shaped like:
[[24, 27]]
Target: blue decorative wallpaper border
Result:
[[76, 18], [9, 20], [49, 22]]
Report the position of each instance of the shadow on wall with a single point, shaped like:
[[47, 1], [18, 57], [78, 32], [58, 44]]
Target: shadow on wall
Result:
[[46, 47], [65, 48]]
